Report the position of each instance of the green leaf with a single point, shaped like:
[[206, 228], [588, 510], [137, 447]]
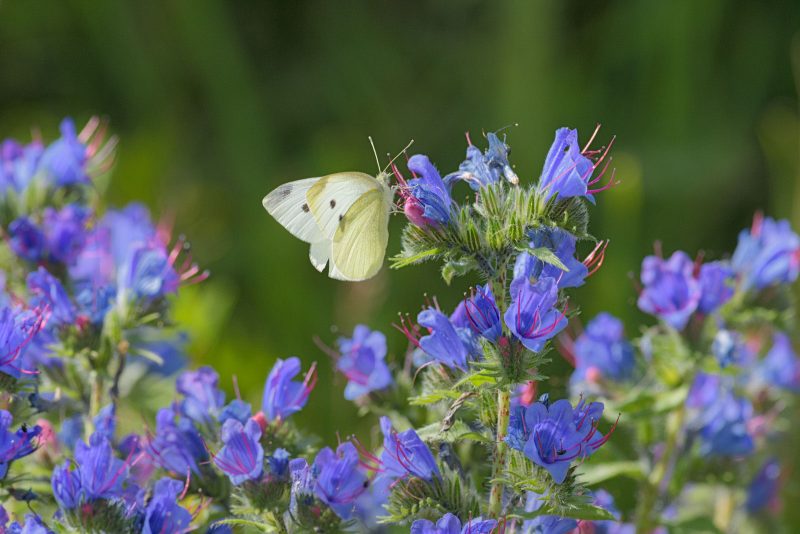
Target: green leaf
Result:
[[246, 523], [546, 255], [401, 261], [459, 431], [433, 397], [694, 525], [585, 511], [477, 378], [594, 473]]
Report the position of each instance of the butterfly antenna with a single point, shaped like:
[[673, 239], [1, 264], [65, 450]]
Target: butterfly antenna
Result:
[[506, 127], [374, 152], [398, 155]]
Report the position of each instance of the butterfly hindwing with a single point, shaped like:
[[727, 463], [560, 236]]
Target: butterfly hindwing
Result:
[[288, 203], [360, 240]]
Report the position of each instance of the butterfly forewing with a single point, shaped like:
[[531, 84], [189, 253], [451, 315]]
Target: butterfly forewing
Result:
[[332, 196], [289, 205]]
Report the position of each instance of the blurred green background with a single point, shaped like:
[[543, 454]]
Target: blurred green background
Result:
[[217, 103]]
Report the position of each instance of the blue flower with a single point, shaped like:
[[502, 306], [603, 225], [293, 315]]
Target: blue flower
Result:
[[445, 343], [338, 480], [482, 314], [567, 170], [18, 165], [283, 396], [15, 445], [768, 254], [532, 316], [781, 366], [716, 284], [602, 351], [71, 431], [236, 409], [671, 290], [279, 463], [177, 445], [47, 291], [65, 231], [202, 396], [17, 330], [605, 500], [545, 524], [762, 493], [101, 474], [562, 244], [27, 240], [163, 514], [427, 198], [719, 417], [147, 273], [105, 422], [728, 348], [405, 454], [480, 170], [362, 361], [242, 457], [66, 484], [33, 524], [65, 159], [450, 524]]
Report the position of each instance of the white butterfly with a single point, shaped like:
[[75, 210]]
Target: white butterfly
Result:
[[344, 216]]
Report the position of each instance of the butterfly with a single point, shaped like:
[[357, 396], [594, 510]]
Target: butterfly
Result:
[[343, 216]]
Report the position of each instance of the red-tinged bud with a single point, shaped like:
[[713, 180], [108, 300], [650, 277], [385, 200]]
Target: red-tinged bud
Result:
[[261, 419]]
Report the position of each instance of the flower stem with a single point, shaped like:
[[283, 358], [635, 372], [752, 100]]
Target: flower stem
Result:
[[503, 415]]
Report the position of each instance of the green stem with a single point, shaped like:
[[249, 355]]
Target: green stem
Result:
[[500, 452], [95, 401]]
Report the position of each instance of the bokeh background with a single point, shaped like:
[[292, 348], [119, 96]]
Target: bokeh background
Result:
[[216, 103]]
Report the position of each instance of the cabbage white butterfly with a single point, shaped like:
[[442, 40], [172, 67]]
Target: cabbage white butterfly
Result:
[[343, 216]]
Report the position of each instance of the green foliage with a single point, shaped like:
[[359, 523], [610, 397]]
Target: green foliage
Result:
[[414, 498]]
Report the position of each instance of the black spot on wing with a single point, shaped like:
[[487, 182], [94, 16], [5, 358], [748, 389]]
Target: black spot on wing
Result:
[[284, 191], [341, 217], [306, 208], [333, 203]]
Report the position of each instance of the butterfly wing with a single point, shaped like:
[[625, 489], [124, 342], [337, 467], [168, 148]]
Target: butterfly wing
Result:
[[359, 243], [289, 205], [333, 195]]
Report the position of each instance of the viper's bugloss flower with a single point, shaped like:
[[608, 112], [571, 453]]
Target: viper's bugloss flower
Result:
[[46, 291], [65, 159], [26, 240], [176, 445], [242, 457], [762, 493], [729, 349], [17, 330], [15, 445], [148, 273], [105, 422], [716, 285], [482, 314], [605, 500], [279, 463], [545, 524], [781, 366], [450, 524], [405, 454], [236, 409], [18, 165], [66, 484], [32, 524], [444, 343], [427, 198], [479, 169], [338, 478], [532, 316], [670, 289], [163, 514], [555, 434], [603, 352], [568, 170], [283, 396], [202, 398], [719, 417], [101, 474], [767, 254], [562, 244], [65, 232], [362, 361]]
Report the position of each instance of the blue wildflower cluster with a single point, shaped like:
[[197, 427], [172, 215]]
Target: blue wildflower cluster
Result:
[[469, 435]]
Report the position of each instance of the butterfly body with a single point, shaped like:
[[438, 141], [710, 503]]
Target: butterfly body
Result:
[[343, 216]]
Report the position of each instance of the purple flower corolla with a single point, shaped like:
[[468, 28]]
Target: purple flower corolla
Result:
[[545, 524], [18, 164], [767, 254], [427, 198], [479, 169], [762, 492], [719, 417], [202, 396], [101, 474], [279, 463], [562, 244], [444, 343], [15, 445], [242, 457], [148, 273], [405, 454], [729, 349], [781, 366], [338, 479], [47, 292], [65, 232], [26, 240], [32, 524], [163, 514], [66, 484], [670, 289], [483, 316], [236, 409], [554, 434], [568, 170], [602, 351], [283, 396], [66, 158], [17, 330], [605, 500], [532, 316], [450, 524], [105, 422], [176, 445], [716, 285], [362, 361]]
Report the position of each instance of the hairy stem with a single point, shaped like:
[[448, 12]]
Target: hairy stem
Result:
[[500, 452]]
